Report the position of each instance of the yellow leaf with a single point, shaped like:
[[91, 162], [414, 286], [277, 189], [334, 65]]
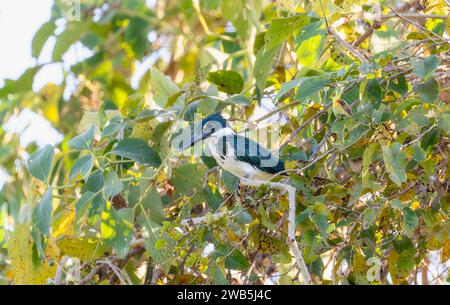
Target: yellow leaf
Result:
[[445, 255], [83, 248], [20, 249], [290, 164], [392, 261], [51, 94], [63, 226], [359, 263]]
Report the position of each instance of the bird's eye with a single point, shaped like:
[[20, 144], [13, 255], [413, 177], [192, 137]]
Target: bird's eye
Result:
[[213, 130]]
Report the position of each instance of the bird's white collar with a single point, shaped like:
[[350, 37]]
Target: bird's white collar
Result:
[[227, 131]]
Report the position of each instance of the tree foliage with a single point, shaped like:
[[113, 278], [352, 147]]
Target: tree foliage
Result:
[[107, 204]]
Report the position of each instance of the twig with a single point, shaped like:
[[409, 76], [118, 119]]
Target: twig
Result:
[[203, 219], [363, 37], [304, 124], [341, 41], [121, 263], [59, 270], [91, 275], [419, 137], [296, 252], [414, 16], [418, 26]]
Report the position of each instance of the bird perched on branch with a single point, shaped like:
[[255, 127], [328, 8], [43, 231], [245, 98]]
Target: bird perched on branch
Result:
[[236, 154], [340, 107]]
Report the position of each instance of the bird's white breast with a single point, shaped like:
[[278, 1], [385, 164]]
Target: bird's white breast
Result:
[[229, 161]]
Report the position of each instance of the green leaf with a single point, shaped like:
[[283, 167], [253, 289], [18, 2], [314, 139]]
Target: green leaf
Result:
[[321, 222], [112, 185], [217, 274], [418, 153], [410, 221], [234, 259], [239, 100], [82, 205], [310, 85], [444, 122], [424, 68], [395, 162], [25, 81], [405, 263], [163, 87], [73, 33], [116, 231], [263, 65], [286, 87], [355, 134], [40, 163], [399, 85], [138, 151], [153, 203], [111, 129], [41, 36], [310, 43], [231, 181], [281, 29], [94, 183], [42, 213], [369, 217], [83, 141], [82, 166], [370, 91], [427, 91], [186, 177], [242, 216], [228, 81], [368, 180]]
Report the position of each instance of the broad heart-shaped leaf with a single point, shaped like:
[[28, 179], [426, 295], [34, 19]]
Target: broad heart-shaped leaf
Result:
[[25, 81], [286, 87], [424, 68], [94, 183], [83, 141], [138, 151], [82, 205], [427, 91], [368, 180], [281, 28], [42, 213], [217, 274], [111, 129], [112, 185], [187, 177], [370, 91], [163, 87], [73, 32], [82, 166], [234, 259], [152, 202], [40, 163], [228, 81], [355, 134], [395, 162], [399, 85], [239, 99], [41, 36], [444, 122], [263, 65], [116, 231], [410, 221], [310, 85]]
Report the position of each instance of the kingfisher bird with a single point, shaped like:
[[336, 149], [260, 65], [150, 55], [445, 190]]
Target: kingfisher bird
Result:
[[234, 153]]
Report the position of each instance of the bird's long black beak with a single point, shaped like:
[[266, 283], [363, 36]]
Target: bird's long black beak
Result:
[[197, 138]]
